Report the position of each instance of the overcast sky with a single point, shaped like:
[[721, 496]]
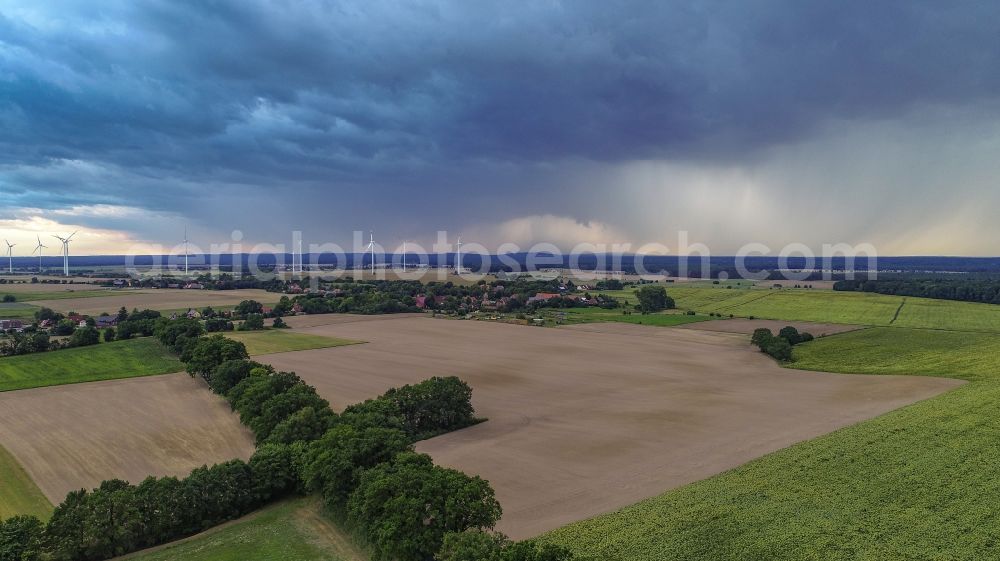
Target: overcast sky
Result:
[[563, 122]]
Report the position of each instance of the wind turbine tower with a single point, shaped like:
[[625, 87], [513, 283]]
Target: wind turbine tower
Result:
[[65, 243], [371, 246], [458, 257], [10, 255], [38, 248]]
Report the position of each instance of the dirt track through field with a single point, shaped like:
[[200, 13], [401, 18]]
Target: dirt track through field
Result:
[[587, 419], [75, 436]]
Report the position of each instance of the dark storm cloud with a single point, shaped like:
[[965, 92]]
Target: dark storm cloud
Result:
[[372, 101]]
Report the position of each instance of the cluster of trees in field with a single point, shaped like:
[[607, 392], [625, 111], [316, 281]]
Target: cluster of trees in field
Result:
[[780, 346], [653, 298], [362, 462], [983, 289]]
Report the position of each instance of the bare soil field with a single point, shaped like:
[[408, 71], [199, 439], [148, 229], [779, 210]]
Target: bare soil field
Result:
[[73, 437], [166, 299], [588, 419], [747, 326]]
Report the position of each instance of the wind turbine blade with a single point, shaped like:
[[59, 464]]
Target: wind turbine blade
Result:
[[71, 236]]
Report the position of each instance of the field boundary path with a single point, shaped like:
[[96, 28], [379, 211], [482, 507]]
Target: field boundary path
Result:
[[899, 309]]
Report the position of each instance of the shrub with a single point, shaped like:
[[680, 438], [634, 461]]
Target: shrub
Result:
[[779, 348], [253, 322], [279, 323], [85, 336], [109, 334], [216, 325], [64, 327], [761, 336], [248, 307], [789, 334], [8, 298], [477, 545]]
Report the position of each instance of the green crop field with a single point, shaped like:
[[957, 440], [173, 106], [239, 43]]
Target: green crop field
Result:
[[571, 316], [18, 493], [290, 531], [917, 483], [282, 341], [887, 350], [17, 310], [107, 361], [858, 308]]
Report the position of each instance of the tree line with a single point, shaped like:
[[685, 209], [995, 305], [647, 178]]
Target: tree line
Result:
[[362, 462]]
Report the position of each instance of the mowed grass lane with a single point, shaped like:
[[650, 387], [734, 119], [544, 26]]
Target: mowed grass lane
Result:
[[18, 493], [272, 341], [106, 361], [290, 531], [917, 483]]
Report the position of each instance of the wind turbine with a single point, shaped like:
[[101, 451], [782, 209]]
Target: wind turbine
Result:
[[458, 257], [38, 248], [65, 241], [185, 251], [371, 246], [10, 255]]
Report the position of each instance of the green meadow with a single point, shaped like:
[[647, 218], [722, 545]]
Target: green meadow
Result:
[[18, 493], [106, 361], [572, 316], [290, 531]]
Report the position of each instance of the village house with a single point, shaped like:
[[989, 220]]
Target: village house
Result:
[[542, 297], [12, 324]]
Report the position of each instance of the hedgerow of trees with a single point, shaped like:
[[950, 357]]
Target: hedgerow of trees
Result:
[[362, 463]]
